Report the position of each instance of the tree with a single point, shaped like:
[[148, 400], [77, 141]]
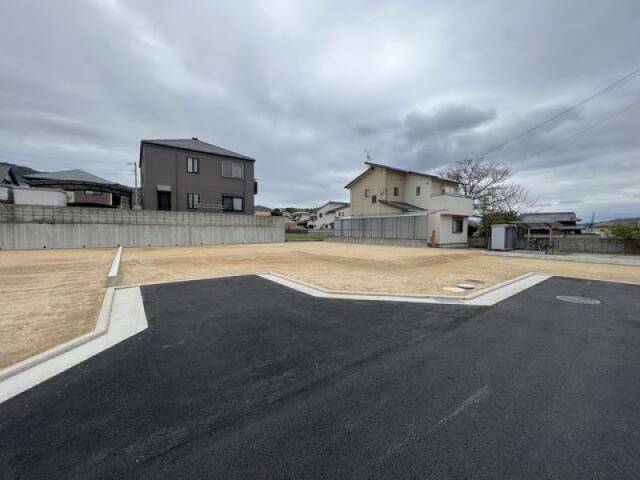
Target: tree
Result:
[[627, 232], [276, 212], [487, 184]]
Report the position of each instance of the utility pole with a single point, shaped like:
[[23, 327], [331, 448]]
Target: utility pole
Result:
[[135, 192]]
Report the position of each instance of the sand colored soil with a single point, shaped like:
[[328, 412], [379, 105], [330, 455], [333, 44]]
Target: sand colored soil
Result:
[[48, 297], [357, 268]]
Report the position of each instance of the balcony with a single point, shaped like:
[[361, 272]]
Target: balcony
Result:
[[454, 204]]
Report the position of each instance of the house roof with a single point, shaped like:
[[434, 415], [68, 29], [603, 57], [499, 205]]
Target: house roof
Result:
[[372, 165], [18, 171], [69, 176], [340, 204], [548, 217], [341, 207], [195, 145], [405, 207], [4, 171]]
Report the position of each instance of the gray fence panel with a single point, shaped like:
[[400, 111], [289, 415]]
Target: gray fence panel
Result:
[[409, 227]]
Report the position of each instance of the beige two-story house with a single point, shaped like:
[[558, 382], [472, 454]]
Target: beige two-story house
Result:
[[386, 190]]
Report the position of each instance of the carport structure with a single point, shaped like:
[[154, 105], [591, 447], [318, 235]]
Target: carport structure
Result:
[[240, 377]]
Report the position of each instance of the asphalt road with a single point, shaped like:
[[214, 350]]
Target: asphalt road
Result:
[[243, 378]]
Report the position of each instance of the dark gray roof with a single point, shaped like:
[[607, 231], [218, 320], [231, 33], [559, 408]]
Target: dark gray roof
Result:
[[69, 176], [548, 217], [260, 208], [4, 171], [405, 207], [195, 145], [18, 171]]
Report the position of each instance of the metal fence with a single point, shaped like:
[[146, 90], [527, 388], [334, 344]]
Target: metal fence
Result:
[[397, 227], [570, 244]]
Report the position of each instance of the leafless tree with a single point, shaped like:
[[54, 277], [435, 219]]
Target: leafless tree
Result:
[[487, 184]]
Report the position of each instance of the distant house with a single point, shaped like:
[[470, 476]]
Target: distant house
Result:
[[383, 190], [302, 216], [557, 223], [191, 175], [327, 213], [83, 188]]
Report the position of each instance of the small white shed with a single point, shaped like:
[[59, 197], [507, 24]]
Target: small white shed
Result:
[[503, 237]]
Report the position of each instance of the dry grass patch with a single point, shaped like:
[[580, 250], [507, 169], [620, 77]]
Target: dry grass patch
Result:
[[48, 297], [348, 267]]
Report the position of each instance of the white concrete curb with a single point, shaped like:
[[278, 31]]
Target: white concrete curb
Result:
[[112, 276], [485, 297], [121, 316], [102, 326]]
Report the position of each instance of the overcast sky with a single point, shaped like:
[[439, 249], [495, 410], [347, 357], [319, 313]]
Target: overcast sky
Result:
[[304, 87]]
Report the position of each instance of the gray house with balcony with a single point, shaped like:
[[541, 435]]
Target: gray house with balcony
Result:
[[190, 175]]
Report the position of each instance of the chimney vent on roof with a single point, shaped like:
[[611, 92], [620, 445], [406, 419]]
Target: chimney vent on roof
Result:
[[194, 138]]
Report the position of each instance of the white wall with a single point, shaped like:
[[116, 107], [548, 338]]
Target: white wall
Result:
[[37, 196]]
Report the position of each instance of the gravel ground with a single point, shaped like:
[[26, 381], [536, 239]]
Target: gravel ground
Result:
[[361, 268], [48, 297]]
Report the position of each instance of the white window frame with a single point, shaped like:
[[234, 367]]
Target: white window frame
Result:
[[235, 169], [193, 165], [193, 201]]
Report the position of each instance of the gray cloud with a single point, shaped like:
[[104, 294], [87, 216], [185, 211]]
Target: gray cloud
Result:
[[305, 90]]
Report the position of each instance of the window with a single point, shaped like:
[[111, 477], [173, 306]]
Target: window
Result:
[[374, 199], [319, 215], [232, 170], [396, 191], [92, 193], [193, 165], [366, 193], [232, 204], [457, 224], [193, 200], [417, 191]]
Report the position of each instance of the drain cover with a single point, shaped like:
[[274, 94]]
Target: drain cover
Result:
[[583, 300]]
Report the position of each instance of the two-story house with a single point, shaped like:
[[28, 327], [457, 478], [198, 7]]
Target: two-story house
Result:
[[385, 190], [327, 213], [192, 175]]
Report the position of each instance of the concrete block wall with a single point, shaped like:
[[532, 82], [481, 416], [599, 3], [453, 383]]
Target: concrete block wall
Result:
[[34, 227]]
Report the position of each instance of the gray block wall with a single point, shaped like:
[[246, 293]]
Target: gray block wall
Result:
[[35, 227]]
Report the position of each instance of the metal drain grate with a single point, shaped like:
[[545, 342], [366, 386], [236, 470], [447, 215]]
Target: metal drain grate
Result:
[[582, 300]]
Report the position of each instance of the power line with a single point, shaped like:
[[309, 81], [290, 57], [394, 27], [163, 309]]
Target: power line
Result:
[[608, 88], [584, 130]]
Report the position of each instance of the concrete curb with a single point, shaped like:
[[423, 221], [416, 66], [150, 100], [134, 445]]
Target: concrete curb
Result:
[[121, 317], [102, 327], [112, 276], [485, 297]]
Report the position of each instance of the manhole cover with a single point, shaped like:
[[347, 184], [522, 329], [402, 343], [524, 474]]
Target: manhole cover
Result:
[[574, 299], [454, 289]]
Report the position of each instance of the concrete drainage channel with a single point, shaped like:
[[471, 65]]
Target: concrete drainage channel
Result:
[[121, 316]]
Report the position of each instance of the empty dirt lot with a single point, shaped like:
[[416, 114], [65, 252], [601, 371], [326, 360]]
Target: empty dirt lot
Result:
[[355, 268], [48, 297]]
